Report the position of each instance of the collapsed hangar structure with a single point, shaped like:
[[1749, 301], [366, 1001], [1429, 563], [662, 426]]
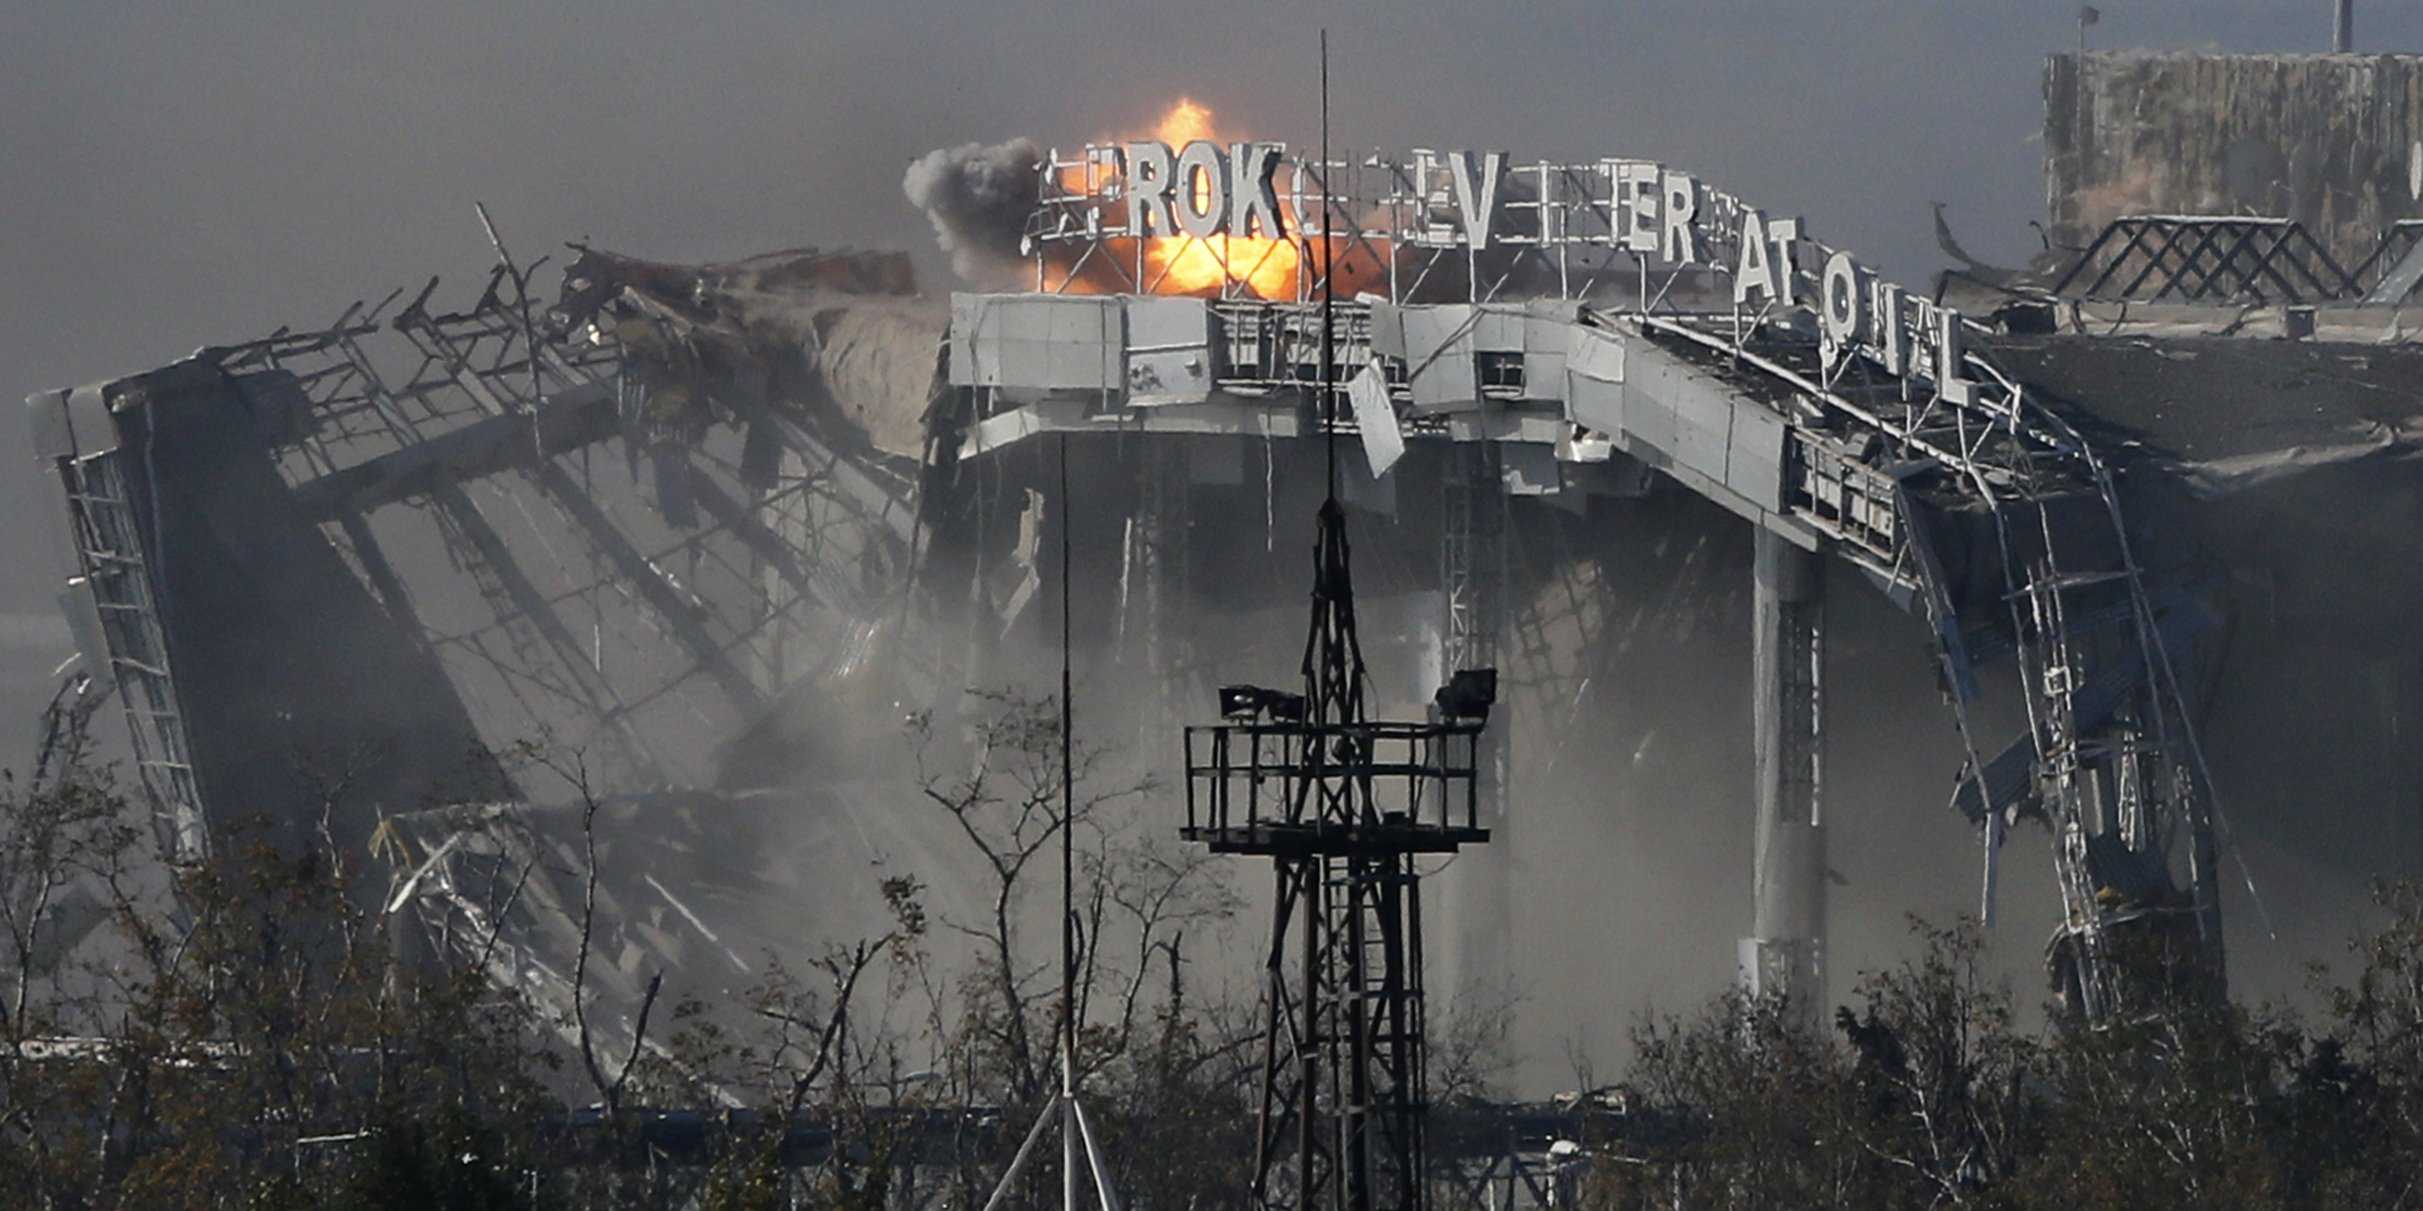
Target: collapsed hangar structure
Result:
[[716, 528]]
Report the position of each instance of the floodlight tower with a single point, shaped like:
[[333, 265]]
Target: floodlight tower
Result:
[[1342, 805]]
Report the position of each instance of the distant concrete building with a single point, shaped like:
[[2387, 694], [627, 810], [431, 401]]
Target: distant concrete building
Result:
[[2334, 141]]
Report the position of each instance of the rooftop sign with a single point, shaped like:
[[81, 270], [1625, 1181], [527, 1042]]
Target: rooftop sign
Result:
[[1480, 205]]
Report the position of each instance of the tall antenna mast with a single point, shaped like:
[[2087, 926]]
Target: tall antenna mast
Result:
[[1329, 284], [1341, 804], [1064, 1107], [1068, 862]]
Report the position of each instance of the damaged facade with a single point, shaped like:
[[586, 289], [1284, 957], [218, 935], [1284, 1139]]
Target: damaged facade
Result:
[[2328, 140], [711, 533]]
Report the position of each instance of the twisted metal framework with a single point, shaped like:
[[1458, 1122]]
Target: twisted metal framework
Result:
[[113, 564], [2110, 761], [573, 616]]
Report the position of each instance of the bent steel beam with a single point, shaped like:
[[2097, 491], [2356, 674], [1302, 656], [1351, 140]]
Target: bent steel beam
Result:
[[596, 694], [564, 422]]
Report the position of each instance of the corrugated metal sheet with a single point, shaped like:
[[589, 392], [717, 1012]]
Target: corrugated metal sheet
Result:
[[83, 616], [1595, 403], [1545, 345], [1169, 351], [1387, 330], [1594, 376], [71, 424], [1038, 343], [1754, 459], [1498, 328], [1703, 429], [1650, 386], [1376, 419], [1438, 353]]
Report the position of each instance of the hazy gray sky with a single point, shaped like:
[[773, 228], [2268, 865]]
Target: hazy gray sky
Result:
[[178, 179]]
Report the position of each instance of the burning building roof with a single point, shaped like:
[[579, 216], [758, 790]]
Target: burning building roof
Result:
[[826, 515]]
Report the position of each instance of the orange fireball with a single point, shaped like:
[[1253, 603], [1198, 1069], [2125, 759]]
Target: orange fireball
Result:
[[1259, 266], [1184, 123], [1183, 264]]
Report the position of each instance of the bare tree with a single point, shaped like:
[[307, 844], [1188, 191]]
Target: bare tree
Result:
[[1006, 806], [571, 765]]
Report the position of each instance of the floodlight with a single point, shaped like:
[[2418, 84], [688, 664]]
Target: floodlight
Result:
[[1468, 694]]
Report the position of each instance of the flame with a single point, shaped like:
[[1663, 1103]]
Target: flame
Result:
[[1262, 266], [1186, 265], [1184, 123]]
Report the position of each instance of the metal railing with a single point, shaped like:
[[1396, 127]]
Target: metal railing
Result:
[[1255, 786]]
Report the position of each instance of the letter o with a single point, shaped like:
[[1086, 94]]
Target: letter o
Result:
[[1838, 302], [1202, 208]]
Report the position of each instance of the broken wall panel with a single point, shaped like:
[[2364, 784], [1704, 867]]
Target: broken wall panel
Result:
[[1169, 351], [2329, 140], [1038, 343]]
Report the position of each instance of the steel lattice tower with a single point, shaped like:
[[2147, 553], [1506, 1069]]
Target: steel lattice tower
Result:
[[1341, 804], [1345, 1099]]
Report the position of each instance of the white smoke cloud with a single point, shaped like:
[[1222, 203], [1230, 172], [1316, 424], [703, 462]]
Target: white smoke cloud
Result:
[[978, 197]]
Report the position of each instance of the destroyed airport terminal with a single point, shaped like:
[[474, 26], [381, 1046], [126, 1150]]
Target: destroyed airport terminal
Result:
[[2092, 576]]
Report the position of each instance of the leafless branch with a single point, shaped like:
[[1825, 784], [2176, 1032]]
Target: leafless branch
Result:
[[639, 1038]]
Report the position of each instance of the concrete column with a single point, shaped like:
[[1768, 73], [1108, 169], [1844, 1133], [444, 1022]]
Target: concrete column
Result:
[[1785, 951]]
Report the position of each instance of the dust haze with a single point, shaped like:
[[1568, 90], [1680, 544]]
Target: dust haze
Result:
[[177, 179]]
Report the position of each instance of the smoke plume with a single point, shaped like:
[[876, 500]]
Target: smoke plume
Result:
[[978, 197]]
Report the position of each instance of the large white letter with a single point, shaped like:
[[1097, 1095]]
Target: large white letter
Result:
[[1638, 193], [1889, 322], [1254, 195], [1951, 361], [1752, 273], [1150, 173], [1477, 200], [1202, 181], [1838, 305], [1784, 233], [1681, 244]]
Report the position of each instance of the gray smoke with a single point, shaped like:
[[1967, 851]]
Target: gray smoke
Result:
[[978, 197]]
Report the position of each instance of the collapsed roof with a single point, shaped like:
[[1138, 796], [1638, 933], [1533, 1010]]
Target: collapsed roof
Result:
[[844, 333]]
